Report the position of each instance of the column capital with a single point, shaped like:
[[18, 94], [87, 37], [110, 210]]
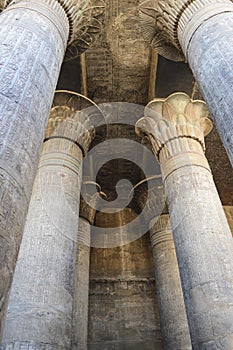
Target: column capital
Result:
[[175, 125], [85, 21], [164, 23], [156, 30], [71, 119]]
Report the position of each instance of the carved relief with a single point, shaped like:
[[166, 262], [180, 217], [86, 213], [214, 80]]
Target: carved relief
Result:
[[162, 20], [175, 124], [30, 43], [88, 23], [126, 43], [85, 20], [153, 16], [68, 118]]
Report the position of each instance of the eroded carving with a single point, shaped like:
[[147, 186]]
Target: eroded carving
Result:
[[79, 112], [175, 124], [152, 14], [164, 22], [85, 18]]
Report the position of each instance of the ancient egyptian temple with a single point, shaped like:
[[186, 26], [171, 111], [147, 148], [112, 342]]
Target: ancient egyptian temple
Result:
[[116, 181]]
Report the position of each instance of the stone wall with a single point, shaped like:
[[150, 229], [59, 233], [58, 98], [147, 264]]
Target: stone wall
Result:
[[123, 310]]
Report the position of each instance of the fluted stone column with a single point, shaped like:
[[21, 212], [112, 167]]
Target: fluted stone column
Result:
[[202, 30], [40, 306], [33, 40], [202, 236], [81, 286], [173, 318]]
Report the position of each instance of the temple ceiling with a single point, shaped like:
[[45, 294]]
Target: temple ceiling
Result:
[[121, 67]]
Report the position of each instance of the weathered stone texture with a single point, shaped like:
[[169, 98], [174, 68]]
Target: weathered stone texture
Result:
[[81, 286], [123, 315], [201, 233], [158, 26], [176, 76], [203, 30], [41, 302], [173, 318], [40, 306], [210, 55], [123, 310], [31, 53], [204, 250], [119, 62]]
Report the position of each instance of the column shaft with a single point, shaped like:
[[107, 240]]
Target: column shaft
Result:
[[40, 306], [41, 300], [81, 289], [202, 236], [81, 286], [204, 250], [202, 29], [32, 44], [173, 319], [209, 50]]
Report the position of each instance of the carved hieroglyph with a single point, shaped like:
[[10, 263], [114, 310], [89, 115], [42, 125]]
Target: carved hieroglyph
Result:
[[81, 286], [173, 318], [43, 282], [164, 22], [202, 30], [203, 240], [86, 19], [81, 279], [30, 42], [33, 41]]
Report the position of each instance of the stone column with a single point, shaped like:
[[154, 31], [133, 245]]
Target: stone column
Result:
[[202, 30], [33, 40], [173, 318], [81, 287], [40, 306], [202, 236]]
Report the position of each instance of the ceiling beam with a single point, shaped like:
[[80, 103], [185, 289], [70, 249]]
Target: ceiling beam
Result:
[[153, 73], [84, 87]]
